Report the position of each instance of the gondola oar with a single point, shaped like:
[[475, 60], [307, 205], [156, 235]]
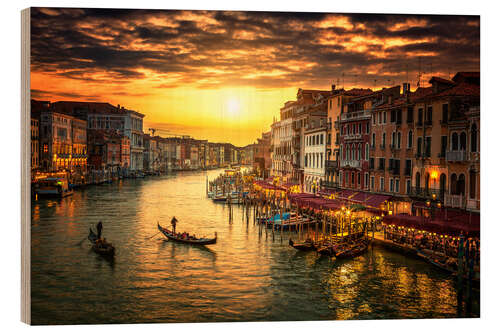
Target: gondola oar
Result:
[[153, 235], [80, 242]]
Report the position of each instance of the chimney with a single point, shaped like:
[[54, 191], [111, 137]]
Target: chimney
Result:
[[406, 88], [118, 106], [333, 87]]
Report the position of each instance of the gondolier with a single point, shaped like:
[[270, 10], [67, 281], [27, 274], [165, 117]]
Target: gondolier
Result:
[[99, 230], [174, 223]]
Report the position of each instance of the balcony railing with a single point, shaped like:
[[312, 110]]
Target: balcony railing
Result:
[[454, 201], [350, 163], [456, 156], [352, 136], [473, 204], [394, 147], [327, 184], [331, 164], [395, 171], [427, 193]]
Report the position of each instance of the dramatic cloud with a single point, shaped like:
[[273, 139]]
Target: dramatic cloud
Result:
[[260, 49], [138, 53]]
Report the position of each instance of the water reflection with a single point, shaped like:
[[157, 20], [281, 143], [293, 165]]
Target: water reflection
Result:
[[245, 276]]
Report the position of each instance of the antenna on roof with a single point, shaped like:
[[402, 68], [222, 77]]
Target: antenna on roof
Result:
[[407, 72], [343, 81], [419, 71]]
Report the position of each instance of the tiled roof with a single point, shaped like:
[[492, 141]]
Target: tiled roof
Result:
[[93, 107], [441, 80], [461, 89]]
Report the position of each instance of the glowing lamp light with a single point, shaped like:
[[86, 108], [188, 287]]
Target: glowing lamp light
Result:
[[390, 212], [428, 203], [434, 174]]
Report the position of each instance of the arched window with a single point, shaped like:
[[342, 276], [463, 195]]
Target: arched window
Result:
[[453, 184], [367, 152], [463, 141], [473, 138], [410, 139], [417, 181], [427, 182], [472, 184], [442, 185], [359, 152], [399, 140], [461, 184], [454, 142]]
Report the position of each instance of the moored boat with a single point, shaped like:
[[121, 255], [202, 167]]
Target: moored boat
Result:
[[307, 245], [352, 250], [184, 238], [52, 186]]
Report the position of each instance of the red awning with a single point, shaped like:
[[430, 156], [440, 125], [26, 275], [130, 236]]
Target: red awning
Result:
[[453, 226], [376, 200]]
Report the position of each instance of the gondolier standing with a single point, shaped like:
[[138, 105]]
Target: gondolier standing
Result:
[[174, 223], [99, 230]]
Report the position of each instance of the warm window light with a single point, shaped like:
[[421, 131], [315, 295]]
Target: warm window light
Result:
[[434, 174]]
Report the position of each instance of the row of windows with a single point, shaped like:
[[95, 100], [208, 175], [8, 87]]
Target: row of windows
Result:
[[355, 129], [314, 160], [396, 115], [314, 140], [354, 151]]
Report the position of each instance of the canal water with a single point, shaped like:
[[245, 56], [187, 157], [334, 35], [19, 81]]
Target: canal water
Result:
[[246, 276]]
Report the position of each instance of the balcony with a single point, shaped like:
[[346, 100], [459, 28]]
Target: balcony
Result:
[[419, 123], [382, 146], [454, 201], [473, 204], [327, 184], [456, 156], [426, 193], [331, 164], [352, 136], [394, 148], [395, 171], [350, 163]]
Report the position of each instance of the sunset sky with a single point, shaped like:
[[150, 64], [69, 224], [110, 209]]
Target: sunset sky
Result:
[[223, 76]]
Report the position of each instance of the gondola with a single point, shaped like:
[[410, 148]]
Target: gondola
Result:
[[191, 240], [352, 251], [307, 245], [100, 246]]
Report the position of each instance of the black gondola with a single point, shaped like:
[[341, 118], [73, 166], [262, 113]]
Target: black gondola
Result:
[[100, 246], [188, 240], [307, 245]]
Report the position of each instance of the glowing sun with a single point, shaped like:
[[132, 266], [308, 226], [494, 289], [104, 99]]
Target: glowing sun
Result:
[[233, 105]]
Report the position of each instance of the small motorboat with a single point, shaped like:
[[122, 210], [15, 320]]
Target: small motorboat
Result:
[[183, 238], [100, 246], [307, 245]]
